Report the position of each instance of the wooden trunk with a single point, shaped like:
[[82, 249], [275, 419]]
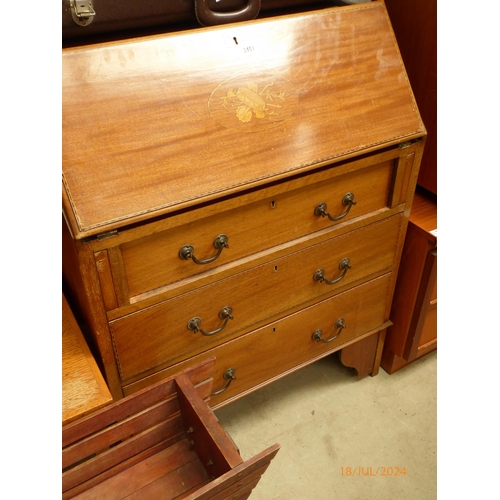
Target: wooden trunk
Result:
[[239, 192]]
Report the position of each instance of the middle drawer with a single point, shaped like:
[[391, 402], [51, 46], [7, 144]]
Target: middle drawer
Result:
[[193, 322]]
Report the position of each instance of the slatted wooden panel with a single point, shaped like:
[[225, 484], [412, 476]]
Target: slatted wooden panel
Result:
[[128, 432], [162, 442], [238, 481], [167, 474]]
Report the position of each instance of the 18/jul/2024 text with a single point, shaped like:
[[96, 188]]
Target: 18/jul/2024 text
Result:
[[373, 471]]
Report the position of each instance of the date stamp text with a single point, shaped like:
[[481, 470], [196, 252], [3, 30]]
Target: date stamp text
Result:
[[370, 471]]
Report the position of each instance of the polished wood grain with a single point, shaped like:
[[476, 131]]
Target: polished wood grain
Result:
[[165, 338], [271, 351], [362, 355], [83, 286], [161, 442], [174, 139], [83, 387], [275, 220], [152, 116], [423, 214]]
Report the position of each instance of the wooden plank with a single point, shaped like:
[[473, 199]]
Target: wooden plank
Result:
[[236, 475], [117, 411], [121, 467], [210, 441], [238, 486], [169, 486], [241, 493], [83, 387], [122, 430], [140, 475], [122, 451], [133, 404]]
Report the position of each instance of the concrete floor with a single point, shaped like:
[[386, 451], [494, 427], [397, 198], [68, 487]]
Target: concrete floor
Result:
[[327, 421]]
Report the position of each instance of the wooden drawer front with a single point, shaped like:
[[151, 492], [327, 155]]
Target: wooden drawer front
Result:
[[154, 261], [267, 352], [159, 334]]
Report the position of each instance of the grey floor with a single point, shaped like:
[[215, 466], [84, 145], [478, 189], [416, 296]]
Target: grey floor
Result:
[[342, 438]]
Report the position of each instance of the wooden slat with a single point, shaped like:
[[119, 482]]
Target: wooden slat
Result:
[[243, 493], [122, 466], [210, 441], [120, 431], [236, 475], [123, 430], [236, 488], [169, 486], [133, 480], [123, 451], [116, 412], [133, 404]]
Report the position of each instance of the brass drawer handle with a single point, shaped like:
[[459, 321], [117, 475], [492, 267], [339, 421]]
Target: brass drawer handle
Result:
[[338, 324], [220, 242], [225, 313], [347, 200], [344, 265], [229, 375]]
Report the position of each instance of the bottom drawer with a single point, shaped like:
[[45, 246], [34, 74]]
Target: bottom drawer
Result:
[[270, 351], [162, 442]]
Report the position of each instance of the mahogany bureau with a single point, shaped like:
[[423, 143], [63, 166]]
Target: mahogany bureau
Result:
[[239, 192]]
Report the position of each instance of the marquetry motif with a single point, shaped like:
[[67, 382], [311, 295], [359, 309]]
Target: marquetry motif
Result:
[[253, 102]]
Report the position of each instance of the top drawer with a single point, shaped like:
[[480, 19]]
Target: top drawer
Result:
[[288, 211]]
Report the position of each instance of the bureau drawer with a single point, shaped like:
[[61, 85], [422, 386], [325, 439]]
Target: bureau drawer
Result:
[[280, 346], [171, 331], [154, 261]]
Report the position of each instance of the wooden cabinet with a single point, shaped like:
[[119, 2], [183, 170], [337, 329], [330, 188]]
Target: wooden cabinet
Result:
[[414, 310], [239, 193], [415, 303]]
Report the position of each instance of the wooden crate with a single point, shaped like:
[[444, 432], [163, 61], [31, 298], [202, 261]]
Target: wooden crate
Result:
[[163, 442]]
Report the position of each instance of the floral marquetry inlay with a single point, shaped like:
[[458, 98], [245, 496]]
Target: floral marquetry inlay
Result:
[[253, 103]]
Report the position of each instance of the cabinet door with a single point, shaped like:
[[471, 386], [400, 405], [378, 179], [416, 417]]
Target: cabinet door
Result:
[[425, 331]]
